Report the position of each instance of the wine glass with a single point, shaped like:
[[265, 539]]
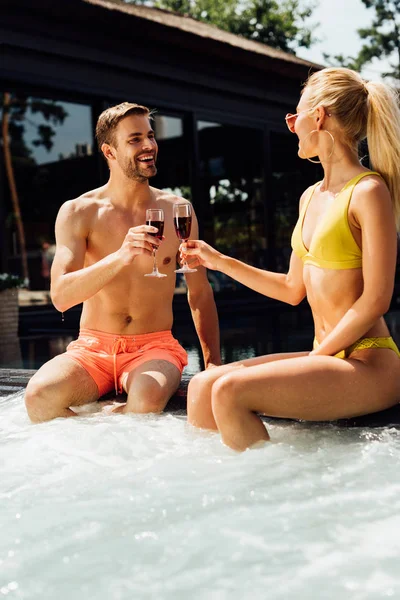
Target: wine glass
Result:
[[183, 225], [155, 218]]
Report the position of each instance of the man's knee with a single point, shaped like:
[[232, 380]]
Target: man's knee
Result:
[[150, 389], [38, 400], [144, 404], [149, 398]]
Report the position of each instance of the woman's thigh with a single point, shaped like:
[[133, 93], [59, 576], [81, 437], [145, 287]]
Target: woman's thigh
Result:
[[200, 388], [317, 388], [212, 374]]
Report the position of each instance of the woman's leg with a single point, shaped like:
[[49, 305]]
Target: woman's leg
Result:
[[314, 388], [199, 392]]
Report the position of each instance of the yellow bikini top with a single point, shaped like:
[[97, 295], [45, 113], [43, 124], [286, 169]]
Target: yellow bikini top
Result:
[[333, 245]]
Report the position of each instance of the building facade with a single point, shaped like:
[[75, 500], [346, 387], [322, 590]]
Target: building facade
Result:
[[220, 104]]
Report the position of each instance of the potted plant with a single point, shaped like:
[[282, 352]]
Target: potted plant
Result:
[[10, 353]]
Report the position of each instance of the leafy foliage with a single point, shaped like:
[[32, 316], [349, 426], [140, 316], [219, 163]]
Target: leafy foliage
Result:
[[16, 111], [382, 39], [21, 106], [9, 281], [278, 24]]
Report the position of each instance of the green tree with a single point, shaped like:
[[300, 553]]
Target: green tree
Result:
[[278, 24], [15, 110], [381, 39]]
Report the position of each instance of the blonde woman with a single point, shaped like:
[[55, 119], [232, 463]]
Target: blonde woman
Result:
[[343, 260]]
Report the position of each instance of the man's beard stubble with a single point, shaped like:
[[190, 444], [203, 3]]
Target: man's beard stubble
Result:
[[133, 171]]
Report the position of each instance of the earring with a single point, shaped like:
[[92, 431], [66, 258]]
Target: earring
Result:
[[318, 162]]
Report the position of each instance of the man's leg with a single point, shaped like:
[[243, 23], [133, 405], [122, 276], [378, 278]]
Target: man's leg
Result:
[[150, 385], [58, 384]]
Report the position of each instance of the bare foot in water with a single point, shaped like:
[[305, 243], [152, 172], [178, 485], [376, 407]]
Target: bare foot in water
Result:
[[112, 407]]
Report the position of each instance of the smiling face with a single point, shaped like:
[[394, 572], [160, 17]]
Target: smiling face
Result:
[[135, 148]]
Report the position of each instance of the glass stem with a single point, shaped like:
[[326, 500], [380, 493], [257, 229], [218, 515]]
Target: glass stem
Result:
[[154, 261], [185, 265]]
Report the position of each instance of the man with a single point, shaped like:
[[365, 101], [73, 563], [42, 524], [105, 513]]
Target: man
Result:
[[103, 251]]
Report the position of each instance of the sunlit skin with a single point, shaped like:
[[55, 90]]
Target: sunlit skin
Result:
[[346, 305], [104, 249]]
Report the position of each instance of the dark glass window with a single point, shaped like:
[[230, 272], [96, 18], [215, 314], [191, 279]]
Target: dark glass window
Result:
[[231, 181], [173, 156], [290, 176], [51, 144]]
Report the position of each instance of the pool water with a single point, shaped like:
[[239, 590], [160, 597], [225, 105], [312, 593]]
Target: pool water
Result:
[[116, 507]]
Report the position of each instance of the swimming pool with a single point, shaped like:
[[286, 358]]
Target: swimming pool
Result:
[[145, 507]]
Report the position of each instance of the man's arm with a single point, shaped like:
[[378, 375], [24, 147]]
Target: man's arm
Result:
[[204, 312], [71, 282]]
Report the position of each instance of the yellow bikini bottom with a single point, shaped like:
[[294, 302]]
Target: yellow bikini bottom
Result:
[[364, 344]]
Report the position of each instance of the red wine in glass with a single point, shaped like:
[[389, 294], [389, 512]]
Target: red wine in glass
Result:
[[160, 227], [155, 218], [183, 225]]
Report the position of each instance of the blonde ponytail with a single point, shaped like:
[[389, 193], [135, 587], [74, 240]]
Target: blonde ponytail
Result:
[[364, 110], [383, 135]]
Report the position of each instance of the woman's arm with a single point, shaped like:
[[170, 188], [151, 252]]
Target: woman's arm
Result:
[[287, 287], [204, 312]]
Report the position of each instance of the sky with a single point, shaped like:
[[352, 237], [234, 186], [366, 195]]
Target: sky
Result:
[[76, 129], [338, 23]]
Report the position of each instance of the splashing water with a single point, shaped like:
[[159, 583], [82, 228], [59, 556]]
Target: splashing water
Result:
[[145, 507]]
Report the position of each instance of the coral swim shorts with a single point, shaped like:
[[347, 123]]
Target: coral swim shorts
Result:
[[109, 358]]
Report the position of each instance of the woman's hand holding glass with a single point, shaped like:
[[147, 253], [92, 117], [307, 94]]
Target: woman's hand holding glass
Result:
[[183, 226], [192, 252], [197, 252]]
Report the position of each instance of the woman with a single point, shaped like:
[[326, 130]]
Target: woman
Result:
[[343, 260]]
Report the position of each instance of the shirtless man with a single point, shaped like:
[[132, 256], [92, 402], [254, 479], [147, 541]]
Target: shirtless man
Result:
[[104, 250]]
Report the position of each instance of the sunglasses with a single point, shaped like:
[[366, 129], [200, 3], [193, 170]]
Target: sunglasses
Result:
[[291, 119]]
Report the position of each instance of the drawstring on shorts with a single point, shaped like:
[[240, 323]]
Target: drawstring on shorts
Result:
[[118, 347]]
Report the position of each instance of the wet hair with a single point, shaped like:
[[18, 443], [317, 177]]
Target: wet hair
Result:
[[109, 119], [363, 109]]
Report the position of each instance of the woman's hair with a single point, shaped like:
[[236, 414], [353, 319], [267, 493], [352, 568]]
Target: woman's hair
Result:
[[364, 109]]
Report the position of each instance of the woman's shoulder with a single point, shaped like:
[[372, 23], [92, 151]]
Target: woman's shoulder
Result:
[[371, 186], [371, 200], [308, 192]]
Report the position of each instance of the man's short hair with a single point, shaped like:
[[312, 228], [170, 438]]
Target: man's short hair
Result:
[[109, 119]]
